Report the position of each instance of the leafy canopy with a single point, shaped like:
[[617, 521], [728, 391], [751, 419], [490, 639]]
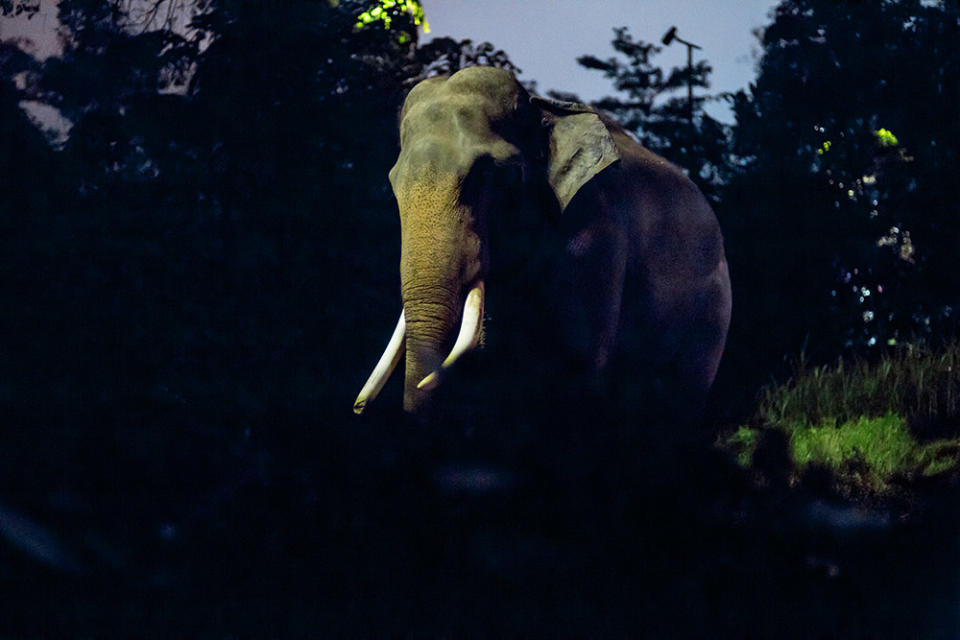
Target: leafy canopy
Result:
[[385, 11]]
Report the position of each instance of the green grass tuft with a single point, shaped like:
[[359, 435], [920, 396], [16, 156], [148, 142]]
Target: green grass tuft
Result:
[[743, 442], [875, 449], [921, 384], [868, 423], [884, 444]]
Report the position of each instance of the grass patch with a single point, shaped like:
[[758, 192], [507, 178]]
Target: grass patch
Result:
[[742, 443], [867, 423], [868, 452], [916, 382]]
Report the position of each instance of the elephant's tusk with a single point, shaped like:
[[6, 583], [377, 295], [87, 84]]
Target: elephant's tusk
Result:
[[385, 366], [470, 328]]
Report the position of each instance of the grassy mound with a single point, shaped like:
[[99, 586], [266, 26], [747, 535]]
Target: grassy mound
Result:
[[873, 426]]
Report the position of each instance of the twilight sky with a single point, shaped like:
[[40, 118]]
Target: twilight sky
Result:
[[545, 37]]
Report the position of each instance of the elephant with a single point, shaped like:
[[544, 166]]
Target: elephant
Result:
[[634, 270]]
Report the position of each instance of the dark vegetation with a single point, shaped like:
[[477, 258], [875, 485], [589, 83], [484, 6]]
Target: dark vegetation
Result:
[[198, 275]]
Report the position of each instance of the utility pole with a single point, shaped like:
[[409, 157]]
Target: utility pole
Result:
[[669, 37]]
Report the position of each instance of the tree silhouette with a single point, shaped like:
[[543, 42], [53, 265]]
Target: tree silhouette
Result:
[[660, 119], [828, 213], [27, 8]]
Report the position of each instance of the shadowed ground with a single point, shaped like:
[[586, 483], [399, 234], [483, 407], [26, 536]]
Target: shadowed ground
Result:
[[390, 528]]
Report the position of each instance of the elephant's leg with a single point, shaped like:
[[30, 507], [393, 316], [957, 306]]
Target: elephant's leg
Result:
[[702, 347], [674, 349]]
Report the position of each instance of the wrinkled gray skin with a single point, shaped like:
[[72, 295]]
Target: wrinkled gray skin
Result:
[[640, 244]]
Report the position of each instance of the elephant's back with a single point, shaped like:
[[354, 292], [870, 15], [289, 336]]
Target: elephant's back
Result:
[[673, 231]]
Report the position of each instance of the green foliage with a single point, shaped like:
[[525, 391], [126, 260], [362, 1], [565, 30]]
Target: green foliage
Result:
[[867, 456], [866, 422], [871, 451], [885, 138], [743, 443], [385, 11]]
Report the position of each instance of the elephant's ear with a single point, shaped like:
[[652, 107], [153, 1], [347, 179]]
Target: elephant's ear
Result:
[[580, 146]]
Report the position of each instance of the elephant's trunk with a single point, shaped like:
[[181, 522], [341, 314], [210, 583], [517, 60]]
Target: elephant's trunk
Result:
[[439, 257], [434, 303], [471, 328], [432, 312]]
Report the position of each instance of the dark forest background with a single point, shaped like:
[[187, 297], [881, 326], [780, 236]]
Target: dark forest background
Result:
[[199, 273]]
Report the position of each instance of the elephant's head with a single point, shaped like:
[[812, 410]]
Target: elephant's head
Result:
[[473, 146]]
